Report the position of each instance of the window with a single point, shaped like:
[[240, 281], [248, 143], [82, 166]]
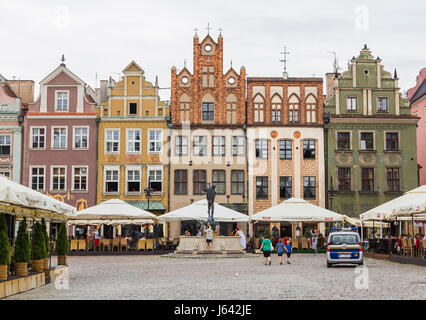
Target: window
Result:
[[262, 149], [293, 115], [133, 141], [59, 138], [392, 141], [58, 178], [262, 187], [285, 149], [231, 109], [382, 104], [112, 141], [133, 180], [181, 145], [392, 175], [258, 108], [4, 145], [181, 181], [276, 109], [155, 140], [38, 138], [285, 187], [133, 108], [184, 103], [200, 146], [344, 177], [237, 146], [5, 173], [111, 180], [351, 103], [237, 182], [219, 146], [61, 101], [309, 191], [308, 149], [80, 179], [155, 180], [367, 179], [200, 180], [343, 140], [208, 111], [219, 180], [311, 113], [37, 178], [81, 138], [367, 141]]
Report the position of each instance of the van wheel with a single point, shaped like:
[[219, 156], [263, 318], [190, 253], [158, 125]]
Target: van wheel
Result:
[[361, 263], [329, 265]]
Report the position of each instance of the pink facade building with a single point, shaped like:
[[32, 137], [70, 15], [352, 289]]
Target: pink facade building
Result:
[[417, 97], [60, 140]]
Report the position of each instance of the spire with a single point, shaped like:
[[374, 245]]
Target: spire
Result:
[[195, 35], [208, 28], [63, 61], [284, 60], [395, 76], [220, 32], [156, 81]]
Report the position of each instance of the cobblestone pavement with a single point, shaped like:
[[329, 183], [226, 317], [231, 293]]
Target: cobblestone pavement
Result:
[[307, 277]]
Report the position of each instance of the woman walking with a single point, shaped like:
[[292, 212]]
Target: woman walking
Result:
[[288, 249], [266, 247]]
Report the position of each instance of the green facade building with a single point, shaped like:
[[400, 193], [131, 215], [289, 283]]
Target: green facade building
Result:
[[371, 147]]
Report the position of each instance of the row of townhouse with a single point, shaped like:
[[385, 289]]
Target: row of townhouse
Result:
[[259, 140]]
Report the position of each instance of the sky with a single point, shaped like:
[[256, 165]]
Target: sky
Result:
[[100, 38]]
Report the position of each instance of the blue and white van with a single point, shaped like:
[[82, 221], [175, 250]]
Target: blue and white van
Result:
[[344, 247]]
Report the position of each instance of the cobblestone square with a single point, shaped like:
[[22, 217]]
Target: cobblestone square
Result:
[[155, 277]]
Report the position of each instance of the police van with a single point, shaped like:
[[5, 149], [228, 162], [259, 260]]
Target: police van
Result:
[[344, 246]]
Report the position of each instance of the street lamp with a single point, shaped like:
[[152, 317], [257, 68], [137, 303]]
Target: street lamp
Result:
[[330, 193], [148, 192]]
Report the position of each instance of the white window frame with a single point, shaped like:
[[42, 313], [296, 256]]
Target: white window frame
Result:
[[31, 137], [6, 170], [133, 168], [181, 153], [128, 109], [155, 141], [387, 104], [87, 179], [155, 168], [221, 147], [74, 135], [10, 145], [111, 168], [106, 141], [238, 146], [199, 145], [30, 182], [399, 140], [374, 139], [52, 141], [134, 141], [349, 98], [68, 100], [51, 178]]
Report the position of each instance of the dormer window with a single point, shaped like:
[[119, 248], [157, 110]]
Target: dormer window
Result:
[[62, 100]]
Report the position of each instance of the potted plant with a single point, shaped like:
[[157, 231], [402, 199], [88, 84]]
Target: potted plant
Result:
[[5, 258], [47, 245], [39, 248], [62, 245], [22, 253]]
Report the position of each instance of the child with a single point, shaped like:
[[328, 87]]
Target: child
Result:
[[280, 250], [288, 250]]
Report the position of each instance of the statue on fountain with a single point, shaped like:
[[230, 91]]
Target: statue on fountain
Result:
[[210, 195]]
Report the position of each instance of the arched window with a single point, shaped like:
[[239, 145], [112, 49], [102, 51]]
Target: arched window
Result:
[[258, 108], [231, 109], [207, 110], [293, 109], [276, 109], [184, 103], [311, 110]]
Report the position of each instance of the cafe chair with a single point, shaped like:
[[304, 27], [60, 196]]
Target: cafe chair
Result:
[[73, 245], [305, 244], [123, 244], [141, 244], [81, 245], [295, 243], [150, 244], [116, 244]]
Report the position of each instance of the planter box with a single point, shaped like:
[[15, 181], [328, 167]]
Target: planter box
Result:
[[2, 291], [24, 284]]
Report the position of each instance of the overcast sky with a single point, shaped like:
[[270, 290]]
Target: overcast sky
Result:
[[102, 37]]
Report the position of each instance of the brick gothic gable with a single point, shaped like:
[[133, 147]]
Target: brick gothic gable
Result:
[[208, 79]]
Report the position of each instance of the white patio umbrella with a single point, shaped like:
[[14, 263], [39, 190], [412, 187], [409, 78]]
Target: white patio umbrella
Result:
[[198, 211], [114, 211], [297, 210]]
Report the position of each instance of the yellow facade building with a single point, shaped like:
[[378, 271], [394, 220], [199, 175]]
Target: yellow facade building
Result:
[[132, 140]]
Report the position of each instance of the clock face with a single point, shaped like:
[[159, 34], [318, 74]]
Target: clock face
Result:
[[184, 80], [208, 48]]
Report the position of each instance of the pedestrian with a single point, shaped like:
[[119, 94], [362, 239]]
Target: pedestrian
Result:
[[288, 250], [240, 233], [315, 241], [280, 250], [266, 247], [209, 236]]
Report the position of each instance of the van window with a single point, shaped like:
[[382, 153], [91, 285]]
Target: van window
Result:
[[338, 239]]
